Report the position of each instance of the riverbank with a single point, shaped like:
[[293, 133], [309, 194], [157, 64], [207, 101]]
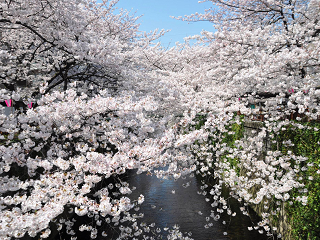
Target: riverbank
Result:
[[252, 167]]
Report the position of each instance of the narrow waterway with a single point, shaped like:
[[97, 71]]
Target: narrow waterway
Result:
[[180, 202], [169, 205]]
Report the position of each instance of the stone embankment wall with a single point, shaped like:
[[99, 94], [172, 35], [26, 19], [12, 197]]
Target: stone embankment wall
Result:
[[251, 129]]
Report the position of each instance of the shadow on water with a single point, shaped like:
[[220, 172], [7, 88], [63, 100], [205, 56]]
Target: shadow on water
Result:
[[170, 202]]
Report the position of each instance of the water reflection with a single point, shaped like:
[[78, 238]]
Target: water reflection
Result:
[[170, 202], [167, 203]]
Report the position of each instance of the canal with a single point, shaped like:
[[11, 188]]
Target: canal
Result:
[[169, 205], [182, 203]]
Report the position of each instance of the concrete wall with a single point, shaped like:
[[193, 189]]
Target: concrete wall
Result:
[[251, 129]]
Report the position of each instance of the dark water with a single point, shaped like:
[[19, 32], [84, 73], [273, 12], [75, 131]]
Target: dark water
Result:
[[169, 203], [186, 208], [183, 207]]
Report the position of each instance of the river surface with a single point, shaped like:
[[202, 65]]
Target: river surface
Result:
[[169, 204], [180, 202]]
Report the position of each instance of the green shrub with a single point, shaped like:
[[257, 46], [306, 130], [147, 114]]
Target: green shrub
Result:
[[305, 220], [303, 141]]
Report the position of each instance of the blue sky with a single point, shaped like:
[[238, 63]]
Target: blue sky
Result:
[[156, 14]]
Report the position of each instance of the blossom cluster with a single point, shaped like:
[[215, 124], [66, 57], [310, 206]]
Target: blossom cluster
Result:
[[126, 104]]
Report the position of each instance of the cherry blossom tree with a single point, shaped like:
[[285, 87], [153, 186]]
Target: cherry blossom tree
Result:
[[255, 35], [261, 50], [54, 43], [59, 155], [54, 157], [65, 149]]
